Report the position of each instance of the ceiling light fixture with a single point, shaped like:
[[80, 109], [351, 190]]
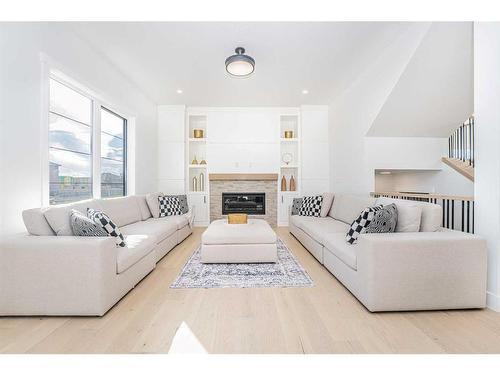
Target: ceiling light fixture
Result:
[[179, 91], [305, 92], [240, 65]]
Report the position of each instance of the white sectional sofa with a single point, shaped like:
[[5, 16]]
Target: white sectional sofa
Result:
[[427, 268], [48, 271]]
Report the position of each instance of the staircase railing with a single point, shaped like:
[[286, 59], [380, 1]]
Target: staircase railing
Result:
[[458, 211], [461, 142]]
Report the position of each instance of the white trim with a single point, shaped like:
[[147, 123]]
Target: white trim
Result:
[[131, 155], [493, 301], [96, 149], [44, 133]]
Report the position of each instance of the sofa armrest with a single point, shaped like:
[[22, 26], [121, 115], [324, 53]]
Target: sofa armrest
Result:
[[451, 265], [190, 215], [39, 270]]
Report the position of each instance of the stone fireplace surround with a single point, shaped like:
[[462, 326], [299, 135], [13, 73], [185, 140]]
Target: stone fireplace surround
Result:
[[244, 183]]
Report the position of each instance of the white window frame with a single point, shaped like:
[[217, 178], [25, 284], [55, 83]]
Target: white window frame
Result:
[[51, 69]]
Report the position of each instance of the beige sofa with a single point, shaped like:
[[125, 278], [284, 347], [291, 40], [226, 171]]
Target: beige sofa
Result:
[[427, 268], [50, 272]]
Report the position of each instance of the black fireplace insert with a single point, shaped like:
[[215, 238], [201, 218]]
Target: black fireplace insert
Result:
[[244, 203]]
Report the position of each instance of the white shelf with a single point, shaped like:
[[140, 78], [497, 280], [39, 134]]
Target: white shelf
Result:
[[199, 166], [197, 192], [197, 139], [289, 166], [289, 139]]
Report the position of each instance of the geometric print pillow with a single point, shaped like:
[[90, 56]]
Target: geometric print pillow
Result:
[[81, 225], [184, 203], [107, 224], [311, 206], [170, 205], [296, 204], [360, 224], [385, 220]]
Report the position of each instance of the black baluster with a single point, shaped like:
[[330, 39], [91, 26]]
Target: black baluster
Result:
[[452, 214], [443, 213], [468, 216]]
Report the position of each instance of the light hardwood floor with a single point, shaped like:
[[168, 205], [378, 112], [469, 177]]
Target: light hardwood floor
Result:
[[322, 319]]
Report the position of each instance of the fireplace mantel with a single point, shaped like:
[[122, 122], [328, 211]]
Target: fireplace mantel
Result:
[[243, 177]]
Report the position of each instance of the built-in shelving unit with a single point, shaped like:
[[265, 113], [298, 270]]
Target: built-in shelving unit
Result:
[[289, 147], [197, 184]]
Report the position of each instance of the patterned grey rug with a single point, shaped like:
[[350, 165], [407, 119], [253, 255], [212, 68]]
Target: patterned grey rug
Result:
[[286, 272]]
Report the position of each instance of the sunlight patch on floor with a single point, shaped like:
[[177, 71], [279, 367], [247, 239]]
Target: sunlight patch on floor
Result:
[[186, 342]]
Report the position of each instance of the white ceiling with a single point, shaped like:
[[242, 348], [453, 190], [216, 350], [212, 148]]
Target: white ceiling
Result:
[[160, 58]]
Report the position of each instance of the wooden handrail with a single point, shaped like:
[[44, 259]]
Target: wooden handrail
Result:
[[396, 194]]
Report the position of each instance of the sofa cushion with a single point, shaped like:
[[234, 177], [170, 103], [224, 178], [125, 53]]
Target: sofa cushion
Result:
[[296, 204], [335, 243], [327, 204], [408, 218], [107, 224], [347, 207], [153, 204], [432, 214], [169, 205], [138, 246], [311, 206], [384, 220], [318, 227], [58, 216], [361, 223], [143, 206], [123, 210], [83, 226], [159, 228], [36, 223]]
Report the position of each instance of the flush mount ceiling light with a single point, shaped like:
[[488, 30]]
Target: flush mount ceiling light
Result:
[[240, 65], [179, 91], [305, 92]]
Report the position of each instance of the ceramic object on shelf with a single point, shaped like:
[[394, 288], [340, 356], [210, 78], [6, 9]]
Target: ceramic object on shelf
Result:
[[194, 162], [292, 183], [287, 158], [195, 184], [198, 133], [203, 162], [283, 183], [201, 182], [288, 134]]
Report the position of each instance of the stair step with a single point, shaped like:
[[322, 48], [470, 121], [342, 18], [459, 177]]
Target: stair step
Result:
[[460, 166]]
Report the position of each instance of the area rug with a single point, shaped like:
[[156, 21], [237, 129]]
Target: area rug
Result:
[[285, 273]]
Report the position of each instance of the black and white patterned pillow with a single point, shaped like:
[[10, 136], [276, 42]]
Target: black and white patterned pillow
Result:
[[81, 225], [311, 206], [360, 224], [384, 221], [107, 224], [170, 205], [296, 204], [183, 203]]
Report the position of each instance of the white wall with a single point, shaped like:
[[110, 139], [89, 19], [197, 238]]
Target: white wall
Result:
[[20, 115], [243, 140], [445, 181], [171, 148], [352, 113], [487, 150]]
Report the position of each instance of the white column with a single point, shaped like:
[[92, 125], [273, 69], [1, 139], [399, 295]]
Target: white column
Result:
[[487, 148]]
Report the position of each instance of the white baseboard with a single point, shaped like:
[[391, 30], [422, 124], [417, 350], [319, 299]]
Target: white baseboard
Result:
[[493, 301]]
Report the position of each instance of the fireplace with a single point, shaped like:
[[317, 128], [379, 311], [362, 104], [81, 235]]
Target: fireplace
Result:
[[244, 203]]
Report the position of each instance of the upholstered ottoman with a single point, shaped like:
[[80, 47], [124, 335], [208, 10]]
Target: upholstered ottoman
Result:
[[254, 242]]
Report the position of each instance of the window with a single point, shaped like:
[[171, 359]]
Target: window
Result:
[[113, 154], [73, 161], [70, 144]]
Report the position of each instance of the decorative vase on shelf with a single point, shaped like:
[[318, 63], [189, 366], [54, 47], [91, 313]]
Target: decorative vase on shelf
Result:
[[198, 133], [201, 182], [288, 134], [292, 183], [203, 162], [195, 184], [194, 161], [283, 183]]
